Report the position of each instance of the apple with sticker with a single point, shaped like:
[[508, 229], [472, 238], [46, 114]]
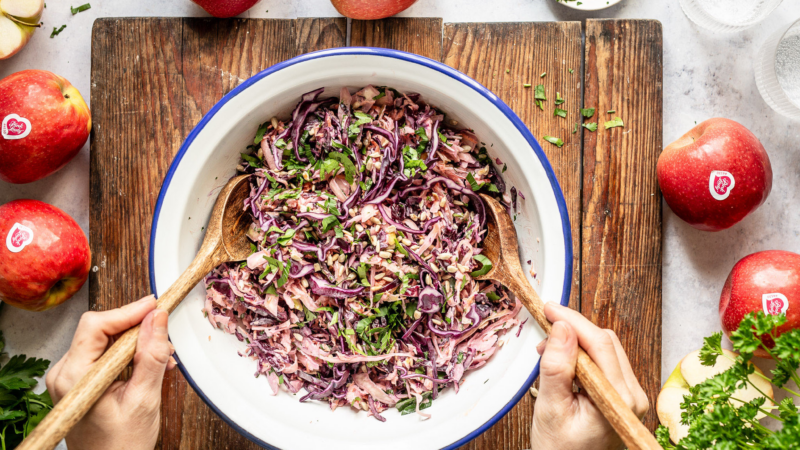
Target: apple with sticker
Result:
[[767, 281], [44, 255], [715, 175], [44, 123]]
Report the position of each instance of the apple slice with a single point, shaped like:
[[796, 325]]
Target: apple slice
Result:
[[18, 20], [691, 372], [668, 405]]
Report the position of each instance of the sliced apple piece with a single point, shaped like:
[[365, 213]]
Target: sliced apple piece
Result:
[[18, 20], [29, 11], [694, 372], [668, 405], [691, 372]]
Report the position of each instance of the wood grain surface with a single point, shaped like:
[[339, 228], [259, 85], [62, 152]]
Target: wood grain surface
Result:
[[153, 79], [621, 229], [504, 57]]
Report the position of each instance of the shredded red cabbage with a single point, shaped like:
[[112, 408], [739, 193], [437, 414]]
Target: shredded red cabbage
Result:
[[366, 228]]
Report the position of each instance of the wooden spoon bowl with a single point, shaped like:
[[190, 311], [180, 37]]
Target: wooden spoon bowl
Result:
[[225, 241]]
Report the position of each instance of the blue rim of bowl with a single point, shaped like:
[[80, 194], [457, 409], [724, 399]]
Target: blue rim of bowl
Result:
[[409, 57]]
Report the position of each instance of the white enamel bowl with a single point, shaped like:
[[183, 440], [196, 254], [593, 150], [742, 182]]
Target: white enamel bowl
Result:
[[208, 358]]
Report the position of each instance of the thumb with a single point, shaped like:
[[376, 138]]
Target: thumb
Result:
[[557, 366], [151, 358]]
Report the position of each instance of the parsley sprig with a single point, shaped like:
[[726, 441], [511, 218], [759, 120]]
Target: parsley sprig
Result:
[[20, 408], [716, 418]]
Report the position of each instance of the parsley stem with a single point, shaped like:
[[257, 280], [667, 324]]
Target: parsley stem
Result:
[[760, 409], [756, 388]]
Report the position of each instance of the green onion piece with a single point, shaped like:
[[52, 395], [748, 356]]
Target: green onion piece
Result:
[[56, 31], [81, 8]]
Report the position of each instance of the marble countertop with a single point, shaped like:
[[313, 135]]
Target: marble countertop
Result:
[[705, 75]]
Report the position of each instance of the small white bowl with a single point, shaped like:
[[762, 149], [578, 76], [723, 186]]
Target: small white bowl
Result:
[[588, 5], [208, 358]]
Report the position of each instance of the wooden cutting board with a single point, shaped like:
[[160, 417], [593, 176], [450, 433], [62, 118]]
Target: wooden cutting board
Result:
[[153, 79]]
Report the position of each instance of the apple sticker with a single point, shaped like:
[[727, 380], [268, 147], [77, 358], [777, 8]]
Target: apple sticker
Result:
[[720, 184], [15, 127], [775, 303], [18, 238]]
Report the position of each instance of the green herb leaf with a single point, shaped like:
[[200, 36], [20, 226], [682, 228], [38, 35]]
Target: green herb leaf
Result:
[[262, 130], [559, 100], [486, 266], [252, 160], [587, 112], [591, 126], [615, 122], [560, 112], [538, 92], [329, 222], [554, 140], [347, 164]]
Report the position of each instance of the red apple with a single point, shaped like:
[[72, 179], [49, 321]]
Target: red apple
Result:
[[765, 281], [44, 255], [45, 122], [225, 8], [715, 175], [371, 9]]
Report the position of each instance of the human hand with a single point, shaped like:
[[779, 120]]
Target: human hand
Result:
[[128, 415], [563, 419]]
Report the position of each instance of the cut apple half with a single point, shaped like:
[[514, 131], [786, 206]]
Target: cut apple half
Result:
[[691, 372], [18, 20]]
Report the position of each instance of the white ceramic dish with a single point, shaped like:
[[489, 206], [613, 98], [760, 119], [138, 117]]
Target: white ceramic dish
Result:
[[588, 5], [209, 359]]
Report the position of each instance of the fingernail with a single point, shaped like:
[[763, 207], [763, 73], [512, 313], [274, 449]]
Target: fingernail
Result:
[[559, 333], [160, 319], [553, 303], [541, 346]]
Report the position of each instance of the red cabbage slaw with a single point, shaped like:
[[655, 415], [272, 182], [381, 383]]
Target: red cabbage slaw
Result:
[[366, 241]]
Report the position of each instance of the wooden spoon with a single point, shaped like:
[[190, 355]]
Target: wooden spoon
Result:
[[500, 246], [225, 241]]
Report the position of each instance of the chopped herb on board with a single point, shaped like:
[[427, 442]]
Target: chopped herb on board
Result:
[[543, 74], [560, 112], [587, 112], [559, 100], [554, 140], [615, 122], [571, 70], [591, 126], [526, 85], [612, 111], [538, 92]]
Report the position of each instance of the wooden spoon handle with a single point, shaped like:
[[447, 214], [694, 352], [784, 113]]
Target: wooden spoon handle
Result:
[[605, 397], [629, 427], [85, 393]]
